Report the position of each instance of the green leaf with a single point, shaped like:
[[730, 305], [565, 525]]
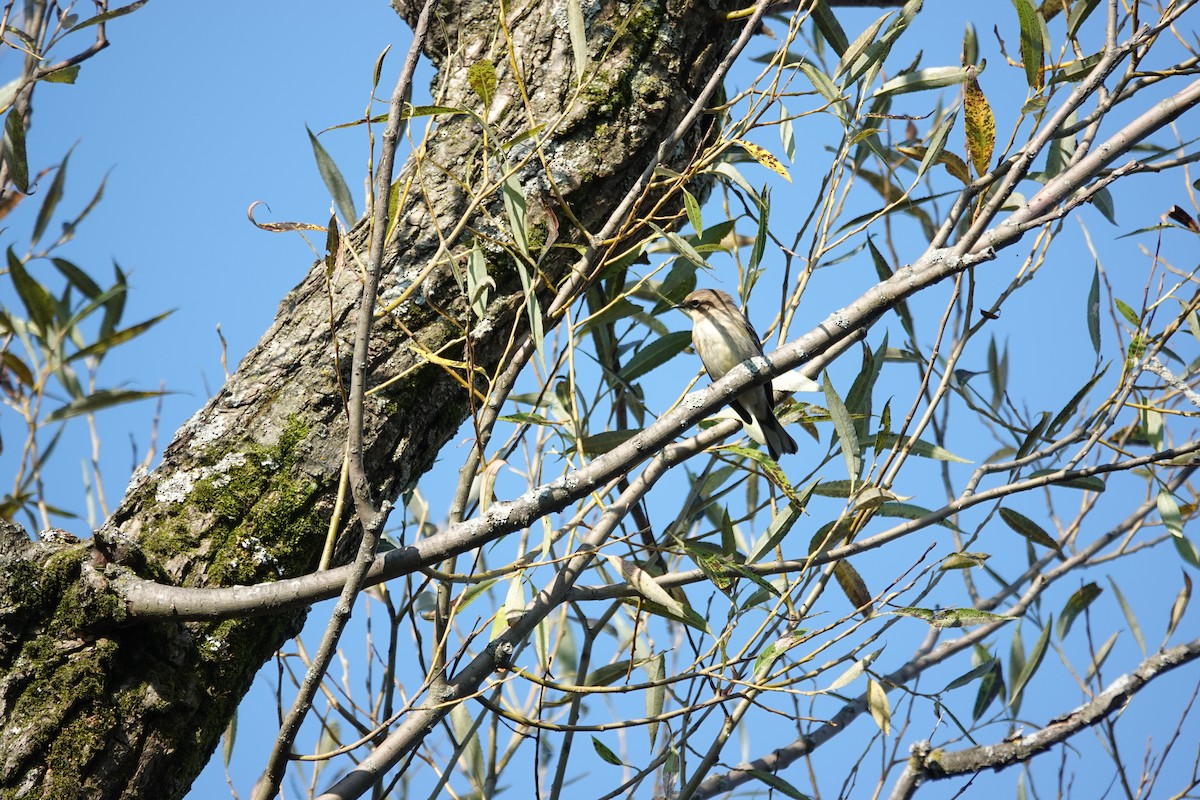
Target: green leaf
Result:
[[77, 278], [114, 306], [515, 209], [1089, 483], [778, 784], [989, 689], [98, 348], [107, 15], [98, 400], [781, 525], [1031, 665], [655, 354], [482, 78], [693, 212], [14, 150], [1075, 605], [1168, 510], [1029, 529], [601, 443], [923, 80], [953, 617], [656, 695], [606, 754], [335, 184], [972, 675], [39, 305], [67, 74], [827, 90], [50, 203], [844, 426], [1033, 50], [1127, 312], [1034, 436], [829, 27], [1130, 617], [1072, 405], [760, 236], [921, 448], [575, 29]]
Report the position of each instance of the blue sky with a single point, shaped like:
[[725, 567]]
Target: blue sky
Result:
[[198, 110]]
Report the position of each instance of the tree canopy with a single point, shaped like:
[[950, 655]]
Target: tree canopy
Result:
[[560, 564]]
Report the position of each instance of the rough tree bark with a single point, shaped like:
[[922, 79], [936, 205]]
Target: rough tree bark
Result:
[[97, 704]]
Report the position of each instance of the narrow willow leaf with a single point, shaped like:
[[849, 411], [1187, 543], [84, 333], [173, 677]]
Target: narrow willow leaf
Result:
[[854, 587], [1179, 607], [98, 400], [881, 710], [1072, 405], [923, 449], [1089, 483], [760, 236], [50, 203], [1130, 617], [14, 150], [1080, 11], [1030, 666], [515, 209], [772, 653], [1034, 437], [1033, 50], [654, 355], [682, 246], [98, 348], [656, 695], [1075, 605], [787, 134], [924, 79], [964, 560], [851, 675], [471, 759], [980, 125], [643, 583], [953, 617], [1101, 657], [859, 46], [77, 278], [972, 675], [1029, 529], [990, 688], [829, 27], [764, 156], [693, 212], [575, 28], [780, 526], [937, 144], [778, 784], [600, 443], [844, 426], [40, 306], [335, 184], [479, 283], [827, 90], [1128, 313], [1168, 509]]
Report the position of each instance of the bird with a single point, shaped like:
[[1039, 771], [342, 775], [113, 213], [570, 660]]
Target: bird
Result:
[[723, 338]]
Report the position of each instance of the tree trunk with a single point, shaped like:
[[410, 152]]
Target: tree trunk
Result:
[[96, 704]]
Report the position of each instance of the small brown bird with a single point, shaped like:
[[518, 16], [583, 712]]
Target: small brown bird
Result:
[[724, 338]]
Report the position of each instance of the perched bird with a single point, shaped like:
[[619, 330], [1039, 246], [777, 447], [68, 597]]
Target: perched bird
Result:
[[724, 338]]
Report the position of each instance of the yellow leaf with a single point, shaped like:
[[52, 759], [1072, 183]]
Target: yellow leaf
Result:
[[981, 125], [764, 157]]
